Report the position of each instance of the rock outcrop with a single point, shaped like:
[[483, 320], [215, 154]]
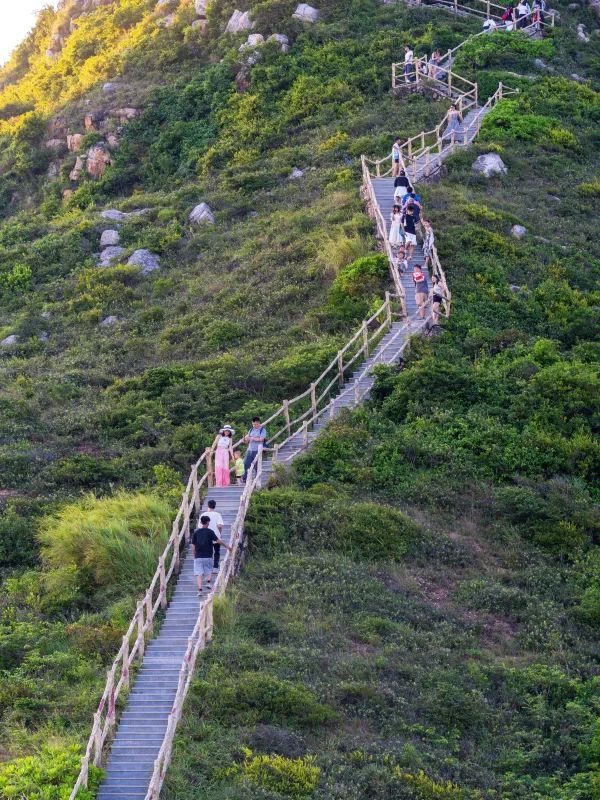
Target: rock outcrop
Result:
[[149, 262], [55, 144], [119, 216], [110, 238], [254, 40], [306, 13], [78, 169], [74, 141], [281, 39], [108, 321], [98, 159], [518, 231], [200, 214], [489, 164], [110, 255], [239, 21], [10, 340], [125, 114]]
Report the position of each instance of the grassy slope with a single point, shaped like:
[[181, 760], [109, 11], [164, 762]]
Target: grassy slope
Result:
[[458, 660], [125, 415]]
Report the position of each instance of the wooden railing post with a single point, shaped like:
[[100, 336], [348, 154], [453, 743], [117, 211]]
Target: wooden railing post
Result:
[[500, 91], [149, 618], [125, 662], [487, 8], [393, 76], [141, 642], [162, 582], [110, 688], [275, 453], [388, 308], [305, 434], [313, 398], [209, 467], [195, 490], [340, 361], [97, 739], [365, 337], [456, 6], [286, 416]]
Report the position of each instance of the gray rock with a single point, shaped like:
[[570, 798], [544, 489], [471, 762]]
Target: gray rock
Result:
[[44, 336], [295, 174], [55, 144], [518, 231], [119, 216], [514, 288], [254, 40], [575, 77], [281, 39], [109, 255], [200, 6], [239, 21], [10, 340], [306, 13], [540, 63], [489, 164], [201, 213], [149, 262], [555, 198], [110, 238], [45, 315], [108, 321], [573, 6], [110, 86], [581, 34]]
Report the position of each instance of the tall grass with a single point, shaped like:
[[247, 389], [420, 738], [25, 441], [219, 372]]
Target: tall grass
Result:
[[113, 541]]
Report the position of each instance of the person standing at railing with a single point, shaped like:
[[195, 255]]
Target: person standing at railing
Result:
[[538, 10], [428, 243], [439, 293], [203, 540], [396, 157], [395, 238], [223, 450], [410, 232], [432, 67], [255, 439], [455, 119], [489, 25], [421, 289], [507, 17], [523, 10], [408, 64]]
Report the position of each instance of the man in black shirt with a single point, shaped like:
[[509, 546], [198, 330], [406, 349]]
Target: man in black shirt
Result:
[[204, 540]]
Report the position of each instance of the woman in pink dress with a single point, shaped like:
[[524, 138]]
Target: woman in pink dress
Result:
[[223, 455]]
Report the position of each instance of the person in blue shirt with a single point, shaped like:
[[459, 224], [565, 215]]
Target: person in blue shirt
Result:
[[416, 200], [256, 438]]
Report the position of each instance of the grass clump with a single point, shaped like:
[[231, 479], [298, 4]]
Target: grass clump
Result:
[[296, 778], [47, 776]]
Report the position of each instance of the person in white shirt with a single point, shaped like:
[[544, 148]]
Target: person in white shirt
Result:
[[489, 25], [396, 157], [408, 64], [523, 12], [216, 525]]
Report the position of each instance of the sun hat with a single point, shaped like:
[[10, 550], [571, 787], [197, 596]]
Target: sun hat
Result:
[[227, 428]]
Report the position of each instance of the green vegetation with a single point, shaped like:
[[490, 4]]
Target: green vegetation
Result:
[[418, 616]]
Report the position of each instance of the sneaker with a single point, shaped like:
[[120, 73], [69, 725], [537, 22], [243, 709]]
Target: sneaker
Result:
[[199, 593]]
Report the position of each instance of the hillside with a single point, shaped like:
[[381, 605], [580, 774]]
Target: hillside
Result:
[[420, 609]]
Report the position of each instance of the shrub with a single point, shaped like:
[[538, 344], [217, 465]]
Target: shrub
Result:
[[296, 778], [49, 776], [252, 697], [112, 541]]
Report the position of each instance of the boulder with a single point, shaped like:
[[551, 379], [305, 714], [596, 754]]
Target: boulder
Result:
[[125, 114], [108, 321], [581, 34], [281, 39], [295, 174], [113, 140], [200, 6], [10, 340], [53, 169], [44, 336], [119, 216], [110, 86], [573, 6], [200, 23], [254, 40], [77, 170], [146, 260], [110, 238], [540, 63], [55, 144], [595, 5], [239, 21], [74, 141], [109, 255], [306, 13], [489, 164], [94, 121], [67, 193], [518, 231], [200, 214], [98, 159]]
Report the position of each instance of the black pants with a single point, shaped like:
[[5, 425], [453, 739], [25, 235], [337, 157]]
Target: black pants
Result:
[[248, 461], [216, 556]]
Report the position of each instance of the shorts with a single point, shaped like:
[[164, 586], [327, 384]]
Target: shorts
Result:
[[411, 238], [203, 566], [437, 298]]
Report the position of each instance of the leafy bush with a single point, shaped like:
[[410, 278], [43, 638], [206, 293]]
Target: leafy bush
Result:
[[49, 776], [296, 778], [112, 541]]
